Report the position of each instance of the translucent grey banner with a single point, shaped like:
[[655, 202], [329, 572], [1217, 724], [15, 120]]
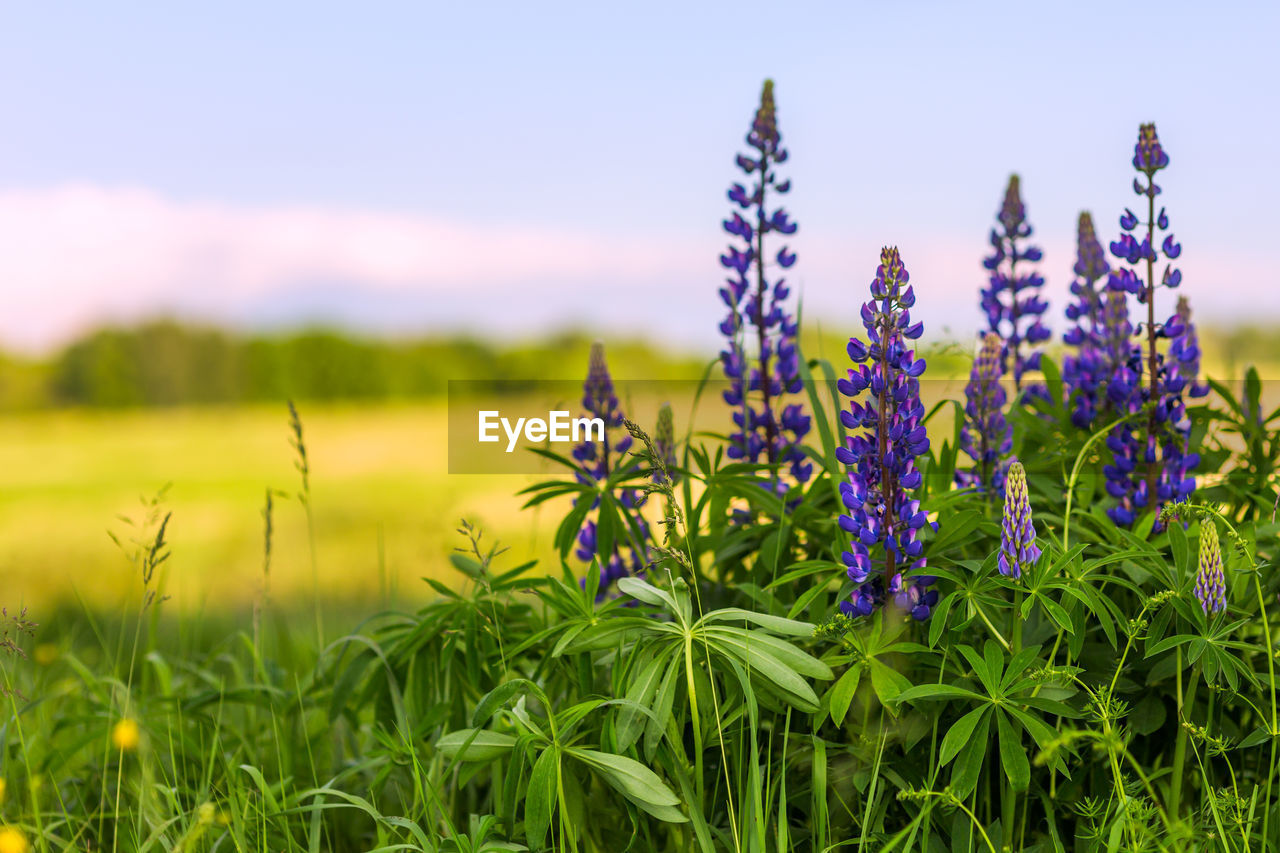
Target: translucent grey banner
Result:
[[494, 426]]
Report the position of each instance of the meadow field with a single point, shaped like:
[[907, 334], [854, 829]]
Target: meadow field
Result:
[[385, 510]]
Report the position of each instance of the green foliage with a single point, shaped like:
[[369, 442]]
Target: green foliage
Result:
[[721, 702]]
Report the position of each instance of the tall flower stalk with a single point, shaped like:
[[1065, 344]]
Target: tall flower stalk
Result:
[[986, 434], [664, 444], [887, 433], [598, 461], [1012, 300], [1086, 369], [1018, 549], [1211, 584], [1152, 461], [1184, 353], [760, 358]]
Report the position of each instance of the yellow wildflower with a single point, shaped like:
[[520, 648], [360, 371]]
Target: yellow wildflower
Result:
[[125, 735], [13, 841], [46, 654]]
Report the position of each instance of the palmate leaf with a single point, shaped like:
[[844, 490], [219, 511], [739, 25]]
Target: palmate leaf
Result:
[[642, 689], [496, 698], [600, 634], [938, 693], [543, 492], [794, 689], [1012, 757], [957, 532], [792, 658], [648, 593], [475, 744], [968, 765], [634, 781], [776, 624], [567, 532], [841, 694], [887, 682], [663, 702], [540, 796], [960, 734], [805, 599]]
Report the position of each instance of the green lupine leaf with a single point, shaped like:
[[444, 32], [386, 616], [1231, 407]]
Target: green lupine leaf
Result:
[[636, 782], [475, 744], [938, 692], [541, 796], [842, 692], [968, 765], [1012, 756], [960, 734], [776, 624]]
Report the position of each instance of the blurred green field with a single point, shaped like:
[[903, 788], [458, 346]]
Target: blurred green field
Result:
[[385, 508], [379, 486]]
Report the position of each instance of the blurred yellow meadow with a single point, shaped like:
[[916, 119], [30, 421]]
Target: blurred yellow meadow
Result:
[[384, 508]]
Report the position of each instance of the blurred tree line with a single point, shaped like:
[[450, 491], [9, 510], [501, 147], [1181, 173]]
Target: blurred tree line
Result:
[[166, 363]]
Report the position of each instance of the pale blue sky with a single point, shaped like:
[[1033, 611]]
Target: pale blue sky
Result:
[[605, 139]]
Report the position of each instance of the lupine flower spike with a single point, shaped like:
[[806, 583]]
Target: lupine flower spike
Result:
[[760, 359], [1012, 300], [986, 435], [882, 514], [1211, 586], [1086, 370], [1184, 353], [1018, 549], [597, 460], [1152, 461], [664, 442]]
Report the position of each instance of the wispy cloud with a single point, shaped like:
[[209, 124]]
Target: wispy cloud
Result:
[[78, 255]]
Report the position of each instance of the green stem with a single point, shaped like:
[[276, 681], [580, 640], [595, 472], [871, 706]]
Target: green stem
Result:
[[991, 628], [1180, 747], [1008, 808], [1075, 472], [699, 784], [1122, 799], [1271, 676]]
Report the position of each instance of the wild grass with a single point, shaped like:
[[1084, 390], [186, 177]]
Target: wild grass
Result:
[[721, 703]]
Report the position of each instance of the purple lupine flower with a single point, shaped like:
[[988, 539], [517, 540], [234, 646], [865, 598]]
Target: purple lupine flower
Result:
[[1122, 357], [597, 460], [1086, 370], [1018, 549], [1211, 584], [760, 358], [986, 434], [887, 433], [1124, 361], [1012, 302], [1184, 353], [1152, 461]]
